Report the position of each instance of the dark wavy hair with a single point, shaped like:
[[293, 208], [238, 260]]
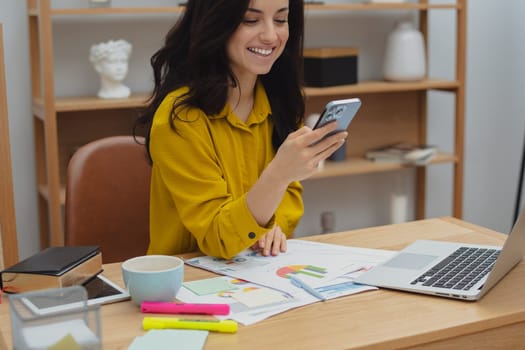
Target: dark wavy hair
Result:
[[194, 55]]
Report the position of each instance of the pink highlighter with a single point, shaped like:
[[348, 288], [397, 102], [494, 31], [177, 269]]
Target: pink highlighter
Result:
[[157, 307]]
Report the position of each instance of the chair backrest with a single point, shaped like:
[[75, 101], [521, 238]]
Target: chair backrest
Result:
[[107, 197], [8, 239]]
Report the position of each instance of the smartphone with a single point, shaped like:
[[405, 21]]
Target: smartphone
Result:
[[342, 111]]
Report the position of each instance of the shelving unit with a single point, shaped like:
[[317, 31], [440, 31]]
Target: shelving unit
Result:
[[56, 118], [8, 238]]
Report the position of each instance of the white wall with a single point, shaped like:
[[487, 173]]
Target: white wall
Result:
[[494, 109], [13, 15]]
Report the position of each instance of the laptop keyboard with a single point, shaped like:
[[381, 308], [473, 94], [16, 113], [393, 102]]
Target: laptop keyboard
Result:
[[460, 270]]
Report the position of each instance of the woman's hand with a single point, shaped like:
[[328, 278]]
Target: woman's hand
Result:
[[273, 242], [301, 152], [296, 160]]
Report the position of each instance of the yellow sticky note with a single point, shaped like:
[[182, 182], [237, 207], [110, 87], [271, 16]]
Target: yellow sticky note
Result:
[[66, 343], [258, 297]]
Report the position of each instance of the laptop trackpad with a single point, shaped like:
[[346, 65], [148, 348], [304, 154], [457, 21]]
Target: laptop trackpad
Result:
[[410, 261]]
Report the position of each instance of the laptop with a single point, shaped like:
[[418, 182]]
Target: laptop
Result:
[[448, 269]]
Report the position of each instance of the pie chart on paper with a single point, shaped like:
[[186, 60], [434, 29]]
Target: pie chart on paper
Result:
[[306, 270]]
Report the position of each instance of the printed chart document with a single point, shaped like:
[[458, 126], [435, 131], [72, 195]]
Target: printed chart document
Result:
[[329, 269], [249, 302]]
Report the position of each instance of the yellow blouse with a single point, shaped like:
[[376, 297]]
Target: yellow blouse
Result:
[[201, 174]]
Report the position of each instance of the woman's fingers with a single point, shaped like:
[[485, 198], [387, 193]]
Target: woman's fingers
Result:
[[275, 242]]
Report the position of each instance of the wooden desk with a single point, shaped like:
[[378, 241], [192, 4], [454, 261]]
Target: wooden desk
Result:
[[380, 319]]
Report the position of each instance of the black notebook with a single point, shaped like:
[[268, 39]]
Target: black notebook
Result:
[[53, 267]]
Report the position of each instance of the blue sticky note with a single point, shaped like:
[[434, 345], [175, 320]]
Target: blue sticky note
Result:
[[163, 339], [209, 286]]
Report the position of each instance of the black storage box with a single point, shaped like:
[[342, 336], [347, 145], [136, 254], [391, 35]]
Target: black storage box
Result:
[[330, 66]]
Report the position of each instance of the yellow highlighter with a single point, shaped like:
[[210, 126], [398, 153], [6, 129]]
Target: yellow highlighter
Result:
[[223, 326]]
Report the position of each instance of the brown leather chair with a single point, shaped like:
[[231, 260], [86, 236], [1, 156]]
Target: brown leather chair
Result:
[[107, 197]]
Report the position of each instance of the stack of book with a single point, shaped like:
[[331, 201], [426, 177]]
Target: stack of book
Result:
[[403, 153], [54, 267]]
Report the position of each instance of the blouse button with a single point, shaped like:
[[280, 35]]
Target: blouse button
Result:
[[251, 235]]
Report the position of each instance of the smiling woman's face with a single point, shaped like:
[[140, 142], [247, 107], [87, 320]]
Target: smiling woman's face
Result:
[[260, 38]]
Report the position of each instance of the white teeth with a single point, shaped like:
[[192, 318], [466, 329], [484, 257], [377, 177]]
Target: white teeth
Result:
[[260, 51]]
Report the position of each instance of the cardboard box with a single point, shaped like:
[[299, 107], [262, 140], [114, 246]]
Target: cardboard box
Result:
[[330, 66]]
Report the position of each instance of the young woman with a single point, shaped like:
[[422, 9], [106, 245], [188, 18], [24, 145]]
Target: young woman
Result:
[[225, 136]]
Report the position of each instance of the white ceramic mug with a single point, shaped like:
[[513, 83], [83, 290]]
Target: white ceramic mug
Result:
[[153, 277]]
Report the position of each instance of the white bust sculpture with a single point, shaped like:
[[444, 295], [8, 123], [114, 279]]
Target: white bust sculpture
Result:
[[110, 60]]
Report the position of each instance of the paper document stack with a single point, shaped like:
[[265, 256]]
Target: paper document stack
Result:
[[257, 287]]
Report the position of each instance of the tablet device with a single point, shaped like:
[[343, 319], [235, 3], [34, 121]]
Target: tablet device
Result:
[[100, 290], [342, 111]]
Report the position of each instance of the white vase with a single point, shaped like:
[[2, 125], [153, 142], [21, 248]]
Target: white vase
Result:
[[405, 58]]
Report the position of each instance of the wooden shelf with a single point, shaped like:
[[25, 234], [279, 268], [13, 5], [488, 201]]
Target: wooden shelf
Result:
[[109, 11], [356, 165], [90, 103], [176, 9], [368, 87], [386, 6]]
